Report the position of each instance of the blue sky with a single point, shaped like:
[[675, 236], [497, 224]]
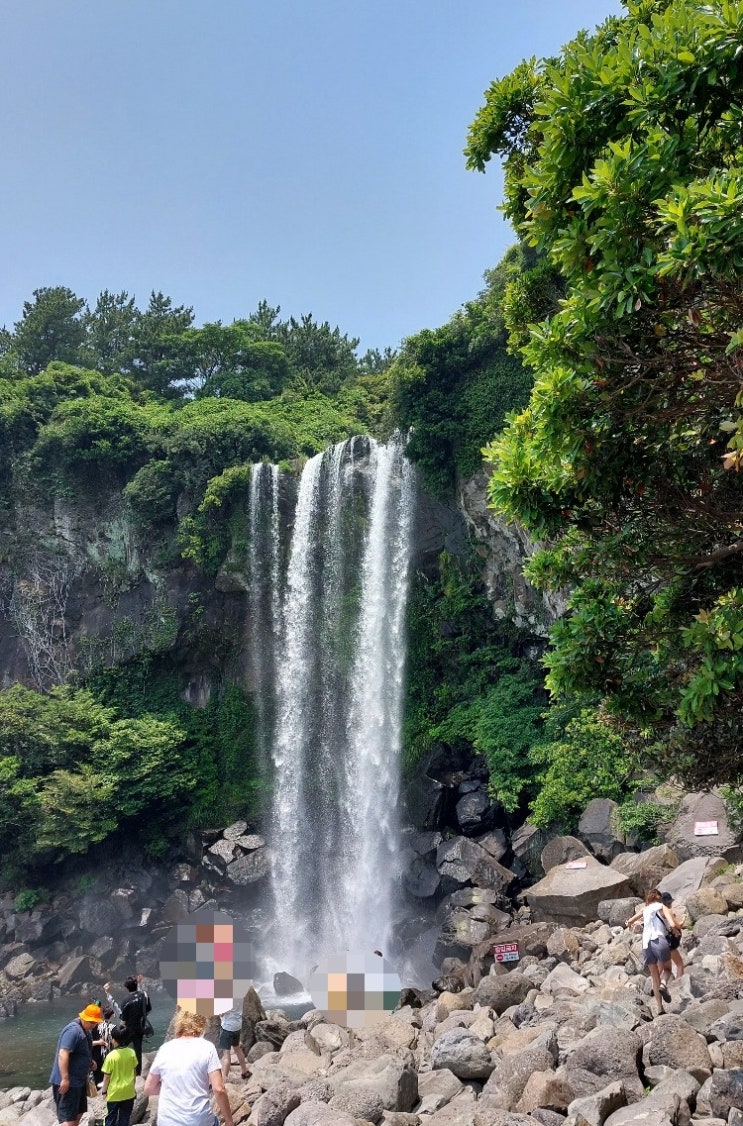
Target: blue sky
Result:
[[233, 150]]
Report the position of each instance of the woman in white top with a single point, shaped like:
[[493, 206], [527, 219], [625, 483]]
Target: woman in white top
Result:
[[656, 952], [181, 1074]]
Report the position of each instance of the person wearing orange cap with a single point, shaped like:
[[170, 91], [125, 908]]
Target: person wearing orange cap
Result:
[[73, 1060]]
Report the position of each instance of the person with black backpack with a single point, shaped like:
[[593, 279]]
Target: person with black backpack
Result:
[[133, 1013]]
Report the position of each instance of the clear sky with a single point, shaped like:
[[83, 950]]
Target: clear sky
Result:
[[223, 151]]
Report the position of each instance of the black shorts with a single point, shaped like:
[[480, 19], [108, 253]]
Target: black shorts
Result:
[[228, 1040], [71, 1104]]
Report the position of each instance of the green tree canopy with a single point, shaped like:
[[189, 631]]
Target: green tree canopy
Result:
[[623, 165], [52, 328]]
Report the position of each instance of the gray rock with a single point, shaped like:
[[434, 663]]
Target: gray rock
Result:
[[571, 896], [319, 1114], [421, 878], [615, 912], [475, 813], [284, 984], [527, 844], [365, 1105], [508, 1080], [436, 1088], [463, 1054], [701, 807], [674, 1043], [386, 1074], [603, 1056], [250, 868], [272, 1108], [593, 1110], [500, 991], [78, 971], [560, 850], [22, 965], [463, 861], [645, 870], [548, 1090], [596, 829], [232, 832], [690, 875], [317, 1090], [720, 1093]]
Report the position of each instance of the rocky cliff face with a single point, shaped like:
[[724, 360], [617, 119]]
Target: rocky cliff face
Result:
[[504, 548], [79, 588]]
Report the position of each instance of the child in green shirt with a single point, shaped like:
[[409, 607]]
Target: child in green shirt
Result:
[[119, 1068]]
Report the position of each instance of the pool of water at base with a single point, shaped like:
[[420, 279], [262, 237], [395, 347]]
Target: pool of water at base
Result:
[[27, 1042]]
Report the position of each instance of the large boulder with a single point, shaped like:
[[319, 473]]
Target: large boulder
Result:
[[571, 896], [560, 850], [463, 861], [689, 876], [645, 870], [596, 828], [527, 844], [720, 1093], [475, 812], [697, 809]]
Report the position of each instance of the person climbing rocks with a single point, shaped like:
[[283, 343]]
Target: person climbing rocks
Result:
[[674, 941], [656, 951]]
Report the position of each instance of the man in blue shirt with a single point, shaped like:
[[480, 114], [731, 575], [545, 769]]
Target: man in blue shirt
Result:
[[72, 1063]]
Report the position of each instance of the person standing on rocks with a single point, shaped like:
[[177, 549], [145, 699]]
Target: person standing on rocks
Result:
[[118, 1088], [133, 1013], [181, 1074], [231, 1024], [656, 953], [73, 1060]]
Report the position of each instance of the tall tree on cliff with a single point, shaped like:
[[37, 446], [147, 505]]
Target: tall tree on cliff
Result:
[[51, 328], [623, 164]]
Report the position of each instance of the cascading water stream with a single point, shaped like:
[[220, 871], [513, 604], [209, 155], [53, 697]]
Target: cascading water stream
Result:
[[263, 597], [339, 689]]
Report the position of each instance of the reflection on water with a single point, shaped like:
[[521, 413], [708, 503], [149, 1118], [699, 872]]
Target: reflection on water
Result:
[[27, 1042]]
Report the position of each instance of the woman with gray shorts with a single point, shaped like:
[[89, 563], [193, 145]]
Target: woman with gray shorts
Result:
[[656, 952]]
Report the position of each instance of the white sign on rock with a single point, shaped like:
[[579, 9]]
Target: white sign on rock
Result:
[[706, 829]]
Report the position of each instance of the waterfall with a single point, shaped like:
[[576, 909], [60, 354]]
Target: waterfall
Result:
[[338, 717], [263, 597]]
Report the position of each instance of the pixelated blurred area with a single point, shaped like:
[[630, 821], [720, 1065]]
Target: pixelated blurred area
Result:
[[356, 990], [207, 963]]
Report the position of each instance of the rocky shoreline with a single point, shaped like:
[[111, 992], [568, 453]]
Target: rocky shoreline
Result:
[[567, 1034]]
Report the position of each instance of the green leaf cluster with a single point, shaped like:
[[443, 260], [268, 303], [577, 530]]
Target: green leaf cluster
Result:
[[623, 167], [453, 386]]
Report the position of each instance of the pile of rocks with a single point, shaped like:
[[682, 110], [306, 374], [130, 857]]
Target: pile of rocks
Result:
[[567, 1035]]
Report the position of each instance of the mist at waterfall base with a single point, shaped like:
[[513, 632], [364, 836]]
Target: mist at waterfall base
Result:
[[326, 638]]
